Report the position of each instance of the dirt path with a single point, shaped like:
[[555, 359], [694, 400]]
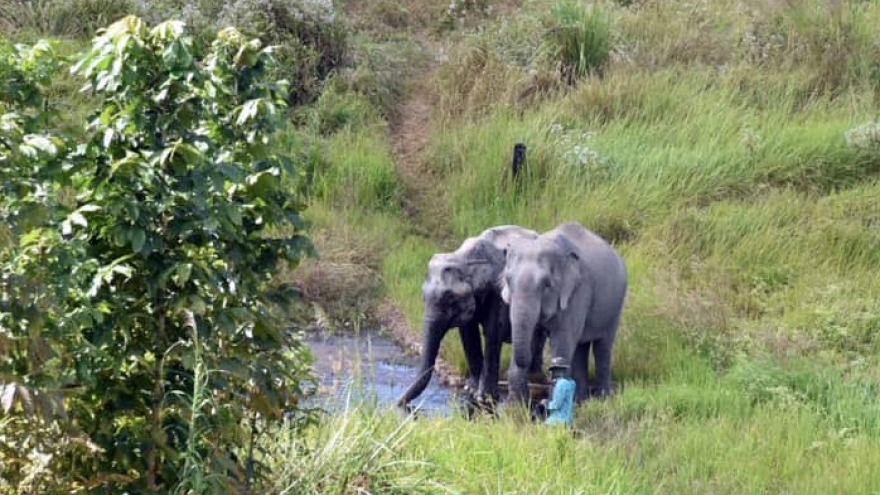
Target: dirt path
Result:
[[425, 205]]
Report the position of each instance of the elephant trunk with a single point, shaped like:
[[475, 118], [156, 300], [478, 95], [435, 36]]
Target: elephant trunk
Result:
[[523, 320], [435, 329]]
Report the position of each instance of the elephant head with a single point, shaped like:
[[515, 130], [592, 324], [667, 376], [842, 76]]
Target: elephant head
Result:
[[453, 292], [539, 280]]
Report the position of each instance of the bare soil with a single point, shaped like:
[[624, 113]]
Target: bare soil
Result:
[[425, 205]]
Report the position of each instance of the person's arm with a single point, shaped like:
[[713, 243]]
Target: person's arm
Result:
[[557, 399]]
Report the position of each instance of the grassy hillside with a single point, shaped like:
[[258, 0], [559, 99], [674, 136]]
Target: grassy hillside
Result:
[[730, 149]]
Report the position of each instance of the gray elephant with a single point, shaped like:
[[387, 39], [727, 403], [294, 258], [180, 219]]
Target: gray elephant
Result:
[[461, 290], [571, 284]]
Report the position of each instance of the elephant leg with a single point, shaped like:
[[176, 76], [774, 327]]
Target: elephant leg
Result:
[[580, 371], [472, 345], [537, 366], [517, 384], [602, 356], [488, 388]]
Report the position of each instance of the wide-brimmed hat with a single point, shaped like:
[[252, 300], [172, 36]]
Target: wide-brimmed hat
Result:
[[558, 363]]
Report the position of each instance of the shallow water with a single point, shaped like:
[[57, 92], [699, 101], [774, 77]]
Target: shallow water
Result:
[[372, 368]]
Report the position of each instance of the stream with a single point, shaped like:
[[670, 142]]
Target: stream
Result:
[[369, 367]]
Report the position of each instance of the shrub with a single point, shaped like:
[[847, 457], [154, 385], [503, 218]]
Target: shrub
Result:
[[135, 315], [311, 39]]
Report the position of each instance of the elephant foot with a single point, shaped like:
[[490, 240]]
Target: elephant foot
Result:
[[486, 395], [518, 395], [471, 407], [518, 386], [471, 387], [409, 410], [603, 392]]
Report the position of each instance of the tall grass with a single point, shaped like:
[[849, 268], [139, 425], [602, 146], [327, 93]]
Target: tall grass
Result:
[[69, 18], [196, 479], [352, 453], [580, 38], [753, 433], [360, 172], [717, 152]]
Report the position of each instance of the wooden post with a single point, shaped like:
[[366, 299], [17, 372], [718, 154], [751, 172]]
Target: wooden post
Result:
[[519, 159]]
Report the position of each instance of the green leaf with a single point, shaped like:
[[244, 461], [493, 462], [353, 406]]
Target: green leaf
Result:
[[138, 237], [182, 273], [7, 397], [248, 111], [42, 143], [32, 237], [89, 208], [197, 305], [27, 150], [108, 138], [77, 218]]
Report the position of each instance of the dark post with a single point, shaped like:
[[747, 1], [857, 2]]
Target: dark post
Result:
[[519, 158]]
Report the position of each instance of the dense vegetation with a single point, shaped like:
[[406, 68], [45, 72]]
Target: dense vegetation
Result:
[[729, 148], [140, 349]]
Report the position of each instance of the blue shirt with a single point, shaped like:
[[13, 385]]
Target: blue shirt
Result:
[[561, 406]]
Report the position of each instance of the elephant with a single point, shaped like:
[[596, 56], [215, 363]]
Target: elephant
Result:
[[570, 284], [461, 290]]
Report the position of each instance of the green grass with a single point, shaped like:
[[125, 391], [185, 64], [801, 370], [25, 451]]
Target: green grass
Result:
[[719, 163], [713, 152], [698, 434]]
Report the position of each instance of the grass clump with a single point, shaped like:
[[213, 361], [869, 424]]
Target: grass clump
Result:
[[579, 38], [60, 18], [357, 451]]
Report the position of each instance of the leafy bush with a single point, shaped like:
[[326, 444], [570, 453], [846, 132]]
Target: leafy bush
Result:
[[579, 38], [311, 39], [136, 331]]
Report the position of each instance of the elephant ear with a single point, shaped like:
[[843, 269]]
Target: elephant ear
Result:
[[571, 274]]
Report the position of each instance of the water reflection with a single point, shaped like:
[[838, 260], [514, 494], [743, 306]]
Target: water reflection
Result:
[[369, 367]]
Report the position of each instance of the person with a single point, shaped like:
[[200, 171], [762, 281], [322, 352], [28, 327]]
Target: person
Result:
[[560, 408]]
